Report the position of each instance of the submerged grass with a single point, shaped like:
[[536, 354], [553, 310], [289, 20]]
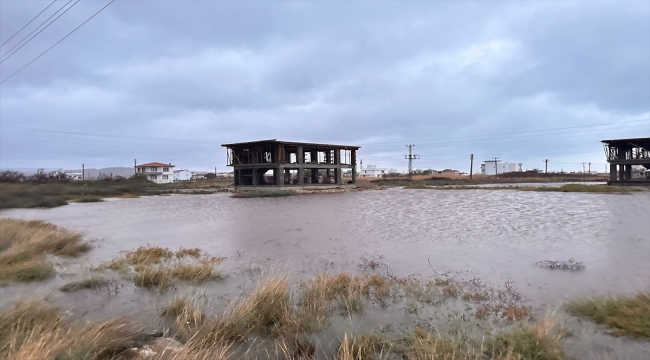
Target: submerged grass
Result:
[[157, 267], [625, 315], [93, 283], [24, 245], [274, 320]]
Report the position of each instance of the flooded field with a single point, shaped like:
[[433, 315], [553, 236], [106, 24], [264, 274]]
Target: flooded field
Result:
[[496, 236]]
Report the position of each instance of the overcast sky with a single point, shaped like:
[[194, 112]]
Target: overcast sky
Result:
[[170, 81]]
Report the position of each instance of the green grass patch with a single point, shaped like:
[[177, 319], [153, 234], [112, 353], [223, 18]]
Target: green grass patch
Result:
[[88, 199], [625, 315], [263, 194], [570, 188]]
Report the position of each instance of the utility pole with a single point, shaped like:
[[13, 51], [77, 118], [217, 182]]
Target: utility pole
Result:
[[496, 169], [135, 163], [471, 165], [410, 157], [589, 168], [83, 171], [583, 168], [546, 166]]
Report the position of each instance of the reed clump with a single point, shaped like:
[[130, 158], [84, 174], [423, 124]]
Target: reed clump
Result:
[[34, 330], [158, 267], [624, 315], [24, 245]]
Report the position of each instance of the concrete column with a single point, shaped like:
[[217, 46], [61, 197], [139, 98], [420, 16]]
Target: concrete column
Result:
[[337, 157], [354, 174], [256, 179], [300, 155], [628, 172], [279, 176], [339, 174], [301, 175], [612, 172], [287, 175], [621, 173]]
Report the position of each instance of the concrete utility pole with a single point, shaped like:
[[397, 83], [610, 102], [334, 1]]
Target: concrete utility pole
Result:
[[589, 168], [583, 168], [83, 171], [471, 165], [135, 163], [546, 166], [496, 169], [410, 157]]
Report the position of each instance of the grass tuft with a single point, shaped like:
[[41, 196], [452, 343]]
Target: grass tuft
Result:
[[93, 283], [24, 244], [625, 315], [362, 347], [157, 267], [33, 330]]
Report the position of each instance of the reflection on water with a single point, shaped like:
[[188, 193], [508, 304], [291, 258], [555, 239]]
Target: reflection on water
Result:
[[494, 235]]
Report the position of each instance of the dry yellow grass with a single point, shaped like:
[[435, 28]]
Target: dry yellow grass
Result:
[[24, 244], [33, 330], [157, 267], [362, 347]]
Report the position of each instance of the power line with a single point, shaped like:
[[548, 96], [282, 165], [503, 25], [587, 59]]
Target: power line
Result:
[[5, 56], [55, 44], [512, 133], [30, 21]]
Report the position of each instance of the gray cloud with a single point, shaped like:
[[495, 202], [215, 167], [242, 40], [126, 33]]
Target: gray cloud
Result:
[[441, 74]]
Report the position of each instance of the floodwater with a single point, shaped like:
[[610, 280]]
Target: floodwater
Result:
[[494, 235]]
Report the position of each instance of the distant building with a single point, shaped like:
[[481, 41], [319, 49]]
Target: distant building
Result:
[[198, 176], [159, 173], [371, 171], [74, 176], [182, 175], [495, 167], [449, 172], [226, 174]]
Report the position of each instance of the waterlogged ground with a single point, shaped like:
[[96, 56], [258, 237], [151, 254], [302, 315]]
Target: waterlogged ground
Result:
[[496, 236]]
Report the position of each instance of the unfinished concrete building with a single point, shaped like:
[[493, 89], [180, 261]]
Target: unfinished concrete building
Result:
[[282, 165], [622, 154]]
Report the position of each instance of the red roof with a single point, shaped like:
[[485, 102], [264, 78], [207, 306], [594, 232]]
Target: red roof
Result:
[[155, 164]]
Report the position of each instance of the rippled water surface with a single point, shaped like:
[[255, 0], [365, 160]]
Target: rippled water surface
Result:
[[497, 235], [494, 235]]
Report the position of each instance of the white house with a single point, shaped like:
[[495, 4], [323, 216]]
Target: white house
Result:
[[182, 175], [159, 173], [495, 167], [371, 171]]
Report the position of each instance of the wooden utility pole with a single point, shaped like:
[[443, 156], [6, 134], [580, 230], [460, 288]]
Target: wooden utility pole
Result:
[[496, 169], [546, 166], [83, 171], [471, 165]]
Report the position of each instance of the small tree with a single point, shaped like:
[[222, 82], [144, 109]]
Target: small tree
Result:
[[392, 173], [210, 176]]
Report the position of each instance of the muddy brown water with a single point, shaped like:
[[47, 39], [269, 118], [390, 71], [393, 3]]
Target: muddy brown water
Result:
[[494, 235]]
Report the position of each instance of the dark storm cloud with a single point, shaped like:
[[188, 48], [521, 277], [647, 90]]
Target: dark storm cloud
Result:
[[381, 72]]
